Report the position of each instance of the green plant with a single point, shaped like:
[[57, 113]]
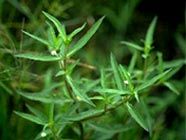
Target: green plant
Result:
[[73, 106]]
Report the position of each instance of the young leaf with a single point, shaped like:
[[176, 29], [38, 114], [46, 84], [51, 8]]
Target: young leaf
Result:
[[38, 57], [149, 34], [79, 96], [137, 117], [59, 26], [132, 45], [117, 77], [76, 31], [36, 38], [83, 41], [31, 118]]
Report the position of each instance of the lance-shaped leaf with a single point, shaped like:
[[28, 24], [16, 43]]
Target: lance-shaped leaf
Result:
[[137, 117], [115, 69], [83, 41], [38, 57], [36, 38], [31, 118], [78, 95]]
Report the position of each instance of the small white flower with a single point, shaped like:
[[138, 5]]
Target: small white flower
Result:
[[43, 134], [126, 82], [54, 53]]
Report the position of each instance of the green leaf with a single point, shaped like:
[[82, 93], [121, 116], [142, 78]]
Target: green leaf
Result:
[[31, 118], [152, 81], [76, 31], [83, 41], [149, 34], [37, 113], [171, 87], [38, 57], [60, 73], [117, 77], [137, 117], [78, 95], [146, 111], [174, 63], [59, 26], [51, 36], [84, 115], [44, 98], [132, 45], [36, 38]]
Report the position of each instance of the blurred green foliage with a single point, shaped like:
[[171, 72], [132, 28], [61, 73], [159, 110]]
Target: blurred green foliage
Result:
[[124, 20]]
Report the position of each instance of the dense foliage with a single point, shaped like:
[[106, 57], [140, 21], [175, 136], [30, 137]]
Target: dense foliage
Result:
[[68, 72]]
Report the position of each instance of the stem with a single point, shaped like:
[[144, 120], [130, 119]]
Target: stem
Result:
[[145, 68], [108, 109], [63, 65]]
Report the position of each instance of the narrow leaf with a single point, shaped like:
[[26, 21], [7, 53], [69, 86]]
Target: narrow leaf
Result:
[[38, 113], [76, 31], [79, 96], [152, 81], [150, 32], [132, 45], [171, 87], [117, 77], [31, 118], [59, 26], [83, 41], [38, 57], [36, 38], [85, 115], [137, 117]]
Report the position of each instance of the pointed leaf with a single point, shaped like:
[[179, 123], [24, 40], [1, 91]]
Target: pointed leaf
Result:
[[132, 45], [79, 96], [137, 117], [31, 118], [38, 57], [36, 38], [76, 31], [37, 113], [59, 26], [83, 41], [150, 32], [171, 87], [84, 115], [152, 81], [117, 77]]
